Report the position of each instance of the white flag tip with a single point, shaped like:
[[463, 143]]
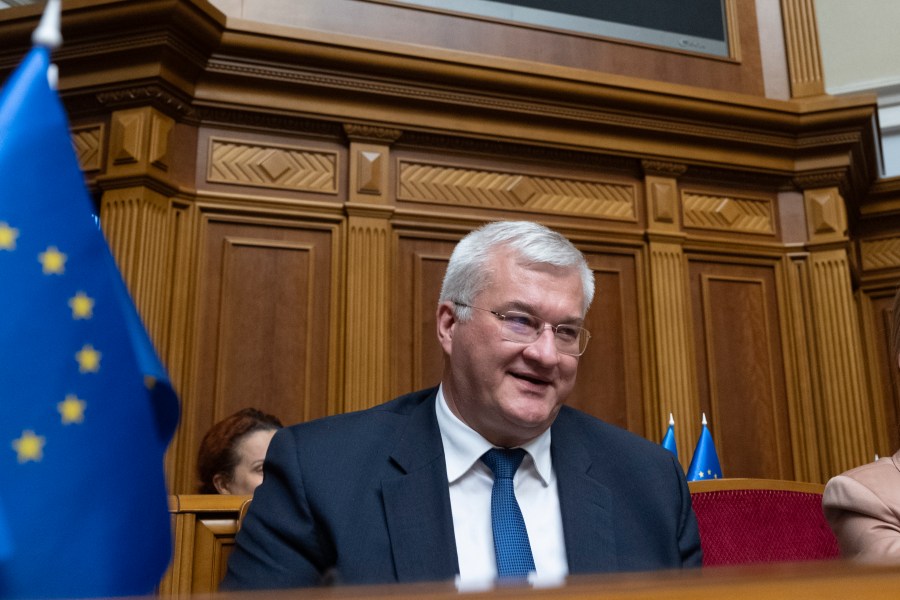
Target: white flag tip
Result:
[[47, 33]]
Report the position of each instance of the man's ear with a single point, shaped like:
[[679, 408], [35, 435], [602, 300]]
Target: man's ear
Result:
[[220, 482], [446, 321]]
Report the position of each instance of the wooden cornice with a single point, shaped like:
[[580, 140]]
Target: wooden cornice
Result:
[[186, 59], [126, 51], [340, 77]]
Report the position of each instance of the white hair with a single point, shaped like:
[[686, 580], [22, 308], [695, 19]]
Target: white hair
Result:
[[467, 273]]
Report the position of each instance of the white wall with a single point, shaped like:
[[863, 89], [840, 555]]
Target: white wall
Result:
[[860, 44]]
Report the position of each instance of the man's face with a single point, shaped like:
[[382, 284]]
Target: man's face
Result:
[[511, 392]]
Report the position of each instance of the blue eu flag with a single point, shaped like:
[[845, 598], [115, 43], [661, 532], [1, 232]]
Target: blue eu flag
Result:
[[669, 440], [705, 463], [87, 410]]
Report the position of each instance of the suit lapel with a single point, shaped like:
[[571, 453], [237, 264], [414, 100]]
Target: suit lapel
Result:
[[585, 503], [417, 502]]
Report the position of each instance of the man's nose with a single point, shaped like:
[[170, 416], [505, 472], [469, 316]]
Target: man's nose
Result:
[[544, 347]]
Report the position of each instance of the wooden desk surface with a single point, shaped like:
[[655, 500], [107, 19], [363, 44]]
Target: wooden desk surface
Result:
[[799, 581]]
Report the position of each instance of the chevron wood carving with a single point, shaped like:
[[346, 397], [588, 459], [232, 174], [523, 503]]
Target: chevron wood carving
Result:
[[496, 189], [275, 167], [727, 213], [880, 254], [88, 142]]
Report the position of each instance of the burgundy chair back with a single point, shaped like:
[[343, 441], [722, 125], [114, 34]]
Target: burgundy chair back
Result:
[[745, 521]]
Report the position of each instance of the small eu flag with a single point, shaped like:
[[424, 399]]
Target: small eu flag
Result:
[[669, 440], [87, 410], [705, 463]]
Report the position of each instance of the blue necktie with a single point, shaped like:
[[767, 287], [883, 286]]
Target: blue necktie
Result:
[[511, 545]]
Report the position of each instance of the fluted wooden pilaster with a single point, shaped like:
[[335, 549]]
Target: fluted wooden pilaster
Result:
[[675, 371], [839, 351], [136, 223], [136, 217], [368, 333], [367, 341], [802, 43]]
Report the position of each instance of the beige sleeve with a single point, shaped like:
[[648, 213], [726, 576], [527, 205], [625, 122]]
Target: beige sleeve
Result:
[[866, 527]]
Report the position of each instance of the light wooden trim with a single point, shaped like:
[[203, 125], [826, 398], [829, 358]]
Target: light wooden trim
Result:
[[207, 503], [741, 483]]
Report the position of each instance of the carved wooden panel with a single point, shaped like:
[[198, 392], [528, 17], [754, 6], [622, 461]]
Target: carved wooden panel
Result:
[[272, 166], [609, 385], [880, 254], [470, 187], [728, 213], [265, 321], [740, 366], [88, 142]]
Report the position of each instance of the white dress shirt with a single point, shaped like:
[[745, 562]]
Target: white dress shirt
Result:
[[471, 482]]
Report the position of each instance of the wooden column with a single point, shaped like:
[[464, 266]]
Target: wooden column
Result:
[[147, 231], [135, 213], [838, 350], [369, 210], [676, 385]]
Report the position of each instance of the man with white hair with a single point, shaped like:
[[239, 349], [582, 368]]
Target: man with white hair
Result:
[[487, 476]]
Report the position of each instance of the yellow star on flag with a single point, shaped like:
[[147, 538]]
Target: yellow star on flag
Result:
[[53, 260], [88, 359], [82, 306], [72, 409], [29, 446], [8, 236]]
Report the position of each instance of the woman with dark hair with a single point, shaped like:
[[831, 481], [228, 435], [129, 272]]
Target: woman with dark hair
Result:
[[862, 505], [232, 452]]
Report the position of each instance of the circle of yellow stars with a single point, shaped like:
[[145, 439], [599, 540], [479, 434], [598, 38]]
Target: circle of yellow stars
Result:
[[29, 447]]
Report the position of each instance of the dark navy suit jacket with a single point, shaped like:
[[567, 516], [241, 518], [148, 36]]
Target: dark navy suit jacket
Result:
[[363, 498]]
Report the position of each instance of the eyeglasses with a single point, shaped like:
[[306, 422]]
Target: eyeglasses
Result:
[[523, 328]]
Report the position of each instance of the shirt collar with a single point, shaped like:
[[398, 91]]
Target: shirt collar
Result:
[[463, 446]]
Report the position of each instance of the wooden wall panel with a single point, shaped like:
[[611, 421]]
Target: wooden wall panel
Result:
[[610, 374], [417, 360], [886, 405], [265, 314], [741, 379]]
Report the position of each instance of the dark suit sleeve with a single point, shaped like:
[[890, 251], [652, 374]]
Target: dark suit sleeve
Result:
[[279, 545], [688, 532]]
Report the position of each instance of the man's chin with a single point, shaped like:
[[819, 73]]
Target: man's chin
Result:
[[534, 421]]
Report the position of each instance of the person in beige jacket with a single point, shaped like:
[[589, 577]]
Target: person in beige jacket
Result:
[[862, 506]]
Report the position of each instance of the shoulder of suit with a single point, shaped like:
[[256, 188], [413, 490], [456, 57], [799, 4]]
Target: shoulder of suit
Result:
[[592, 427], [402, 405]]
